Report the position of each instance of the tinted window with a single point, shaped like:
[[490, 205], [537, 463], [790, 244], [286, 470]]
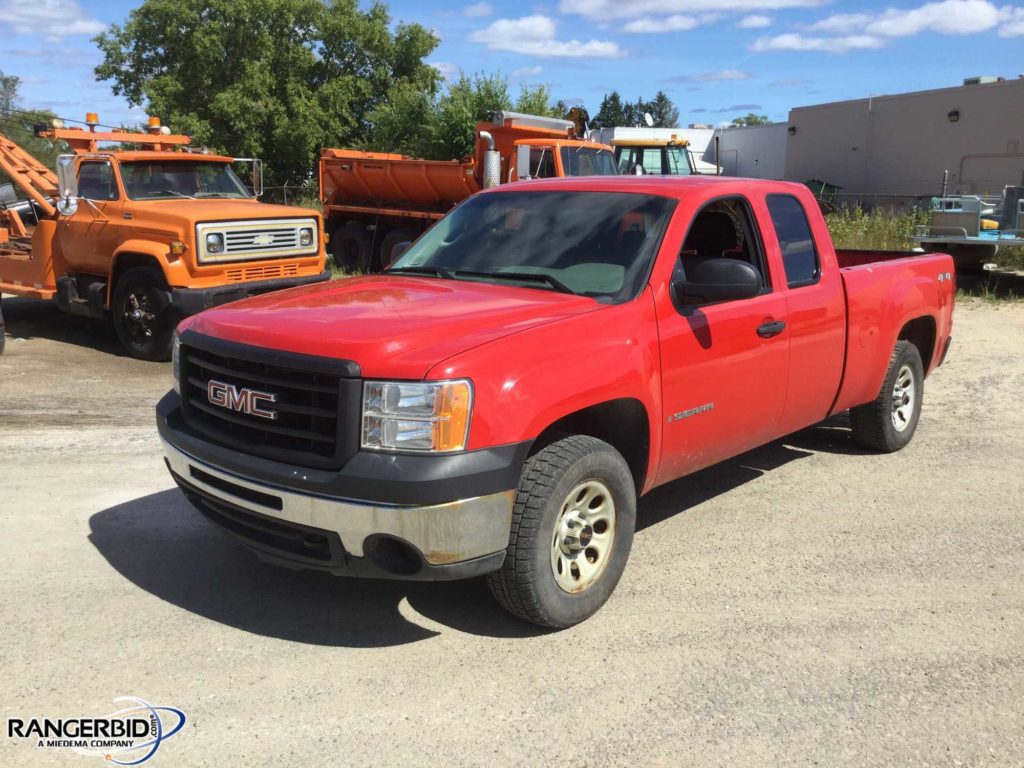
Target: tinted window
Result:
[[724, 229], [794, 233], [597, 244], [96, 181], [542, 163]]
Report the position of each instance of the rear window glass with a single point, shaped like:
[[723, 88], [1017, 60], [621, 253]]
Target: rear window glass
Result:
[[799, 256]]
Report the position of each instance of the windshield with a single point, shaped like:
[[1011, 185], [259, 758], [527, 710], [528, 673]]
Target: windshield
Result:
[[678, 160], [597, 244], [162, 179], [587, 161]]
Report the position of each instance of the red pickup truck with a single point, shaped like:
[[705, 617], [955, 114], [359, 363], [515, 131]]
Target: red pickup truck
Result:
[[545, 354]]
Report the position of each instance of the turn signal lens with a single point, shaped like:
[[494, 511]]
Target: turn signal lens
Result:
[[177, 248]]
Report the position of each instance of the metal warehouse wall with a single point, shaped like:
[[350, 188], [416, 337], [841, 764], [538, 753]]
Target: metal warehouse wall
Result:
[[900, 145], [757, 152]]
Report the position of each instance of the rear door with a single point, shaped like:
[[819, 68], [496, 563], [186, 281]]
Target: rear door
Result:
[[815, 309], [725, 365]]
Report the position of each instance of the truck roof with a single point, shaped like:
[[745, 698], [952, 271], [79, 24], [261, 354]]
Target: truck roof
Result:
[[651, 184], [136, 155]]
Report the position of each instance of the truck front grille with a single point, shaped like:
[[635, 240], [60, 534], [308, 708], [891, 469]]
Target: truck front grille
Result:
[[299, 409], [269, 272], [256, 239]]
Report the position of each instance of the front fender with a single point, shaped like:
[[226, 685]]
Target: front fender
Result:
[[529, 380]]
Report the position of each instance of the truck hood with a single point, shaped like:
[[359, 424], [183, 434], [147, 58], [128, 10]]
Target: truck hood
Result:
[[186, 213], [393, 327]]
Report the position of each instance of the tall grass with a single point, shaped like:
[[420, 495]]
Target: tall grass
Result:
[[880, 229]]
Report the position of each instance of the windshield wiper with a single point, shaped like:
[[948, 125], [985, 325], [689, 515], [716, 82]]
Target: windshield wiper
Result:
[[437, 271], [527, 277], [172, 192]]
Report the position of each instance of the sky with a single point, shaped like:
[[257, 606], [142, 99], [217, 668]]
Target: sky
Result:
[[716, 59]]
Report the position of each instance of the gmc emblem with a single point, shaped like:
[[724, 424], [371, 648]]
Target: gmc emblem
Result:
[[241, 399]]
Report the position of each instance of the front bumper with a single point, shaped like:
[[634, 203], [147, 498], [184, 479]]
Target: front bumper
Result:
[[456, 527], [193, 300]]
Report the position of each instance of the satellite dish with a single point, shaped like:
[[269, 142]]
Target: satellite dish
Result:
[[648, 119], [67, 206]]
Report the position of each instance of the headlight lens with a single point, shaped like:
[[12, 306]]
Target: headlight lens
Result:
[[176, 362], [306, 236], [416, 416], [214, 242]]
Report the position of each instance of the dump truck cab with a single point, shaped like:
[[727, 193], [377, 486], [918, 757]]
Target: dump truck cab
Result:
[[148, 234]]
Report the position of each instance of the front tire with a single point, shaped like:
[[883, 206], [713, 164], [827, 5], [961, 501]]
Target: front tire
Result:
[[142, 314], [888, 423], [572, 529]]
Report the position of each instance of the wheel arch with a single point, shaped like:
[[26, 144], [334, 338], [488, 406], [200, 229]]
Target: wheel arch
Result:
[[623, 423], [921, 332], [133, 255]]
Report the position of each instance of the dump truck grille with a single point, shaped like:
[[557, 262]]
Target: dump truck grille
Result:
[[298, 409]]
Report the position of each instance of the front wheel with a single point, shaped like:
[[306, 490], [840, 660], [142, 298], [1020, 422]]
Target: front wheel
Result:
[[888, 422], [142, 315], [572, 529]]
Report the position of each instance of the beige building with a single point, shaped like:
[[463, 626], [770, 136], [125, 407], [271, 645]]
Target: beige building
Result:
[[903, 144]]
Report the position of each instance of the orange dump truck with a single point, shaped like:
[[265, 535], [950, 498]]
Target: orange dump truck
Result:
[[148, 235], [372, 201]]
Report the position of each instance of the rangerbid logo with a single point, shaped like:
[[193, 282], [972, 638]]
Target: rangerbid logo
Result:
[[241, 399], [129, 736]]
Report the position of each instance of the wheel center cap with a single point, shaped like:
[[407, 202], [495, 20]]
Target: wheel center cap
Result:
[[576, 533]]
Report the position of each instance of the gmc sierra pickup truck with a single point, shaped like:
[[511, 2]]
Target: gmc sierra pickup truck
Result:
[[497, 400]]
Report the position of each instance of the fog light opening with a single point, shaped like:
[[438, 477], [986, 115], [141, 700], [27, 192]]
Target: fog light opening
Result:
[[392, 555]]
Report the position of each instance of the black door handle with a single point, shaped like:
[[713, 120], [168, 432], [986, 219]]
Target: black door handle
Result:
[[768, 330]]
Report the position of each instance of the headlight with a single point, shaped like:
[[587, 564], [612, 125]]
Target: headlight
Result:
[[306, 236], [176, 362], [214, 242], [416, 416]]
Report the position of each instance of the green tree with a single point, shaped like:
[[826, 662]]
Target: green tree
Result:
[[537, 101], [610, 114], [277, 79], [751, 119], [469, 100], [19, 125], [663, 111]]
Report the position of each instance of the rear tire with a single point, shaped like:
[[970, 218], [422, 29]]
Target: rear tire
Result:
[[391, 239], [888, 423], [572, 529], [142, 314], [350, 248]]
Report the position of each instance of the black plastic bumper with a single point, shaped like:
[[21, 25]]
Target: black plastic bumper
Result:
[[374, 477], [192, 300]]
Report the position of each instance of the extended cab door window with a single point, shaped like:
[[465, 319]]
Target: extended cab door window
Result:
[[799, 256], [96, 181], [725, 229]]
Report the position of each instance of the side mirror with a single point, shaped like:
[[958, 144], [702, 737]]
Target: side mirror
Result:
[[398, 250], [257, 178], [67, 185], [522, 162], [717, 279]]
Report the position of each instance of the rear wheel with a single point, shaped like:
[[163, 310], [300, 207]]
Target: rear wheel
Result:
[[350, 248], [142, 314], [572, 529], [391, 239], [888, 423]]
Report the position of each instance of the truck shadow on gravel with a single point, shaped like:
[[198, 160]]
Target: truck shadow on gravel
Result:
[[162, 545], [37, 319]]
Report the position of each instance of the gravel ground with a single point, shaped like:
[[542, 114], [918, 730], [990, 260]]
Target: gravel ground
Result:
[[807, 603]]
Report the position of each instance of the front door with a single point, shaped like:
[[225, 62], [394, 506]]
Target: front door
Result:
[[89, 238], [724, 365]]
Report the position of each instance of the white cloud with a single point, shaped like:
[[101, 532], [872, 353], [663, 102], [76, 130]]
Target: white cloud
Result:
[[477, 10], [52, 19], [535, 35], [794, 41], [755, 22], [446, 68], [947, 17], [676, 23], [712, 77], [527, 72], [1011, 22], [602, 10]]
